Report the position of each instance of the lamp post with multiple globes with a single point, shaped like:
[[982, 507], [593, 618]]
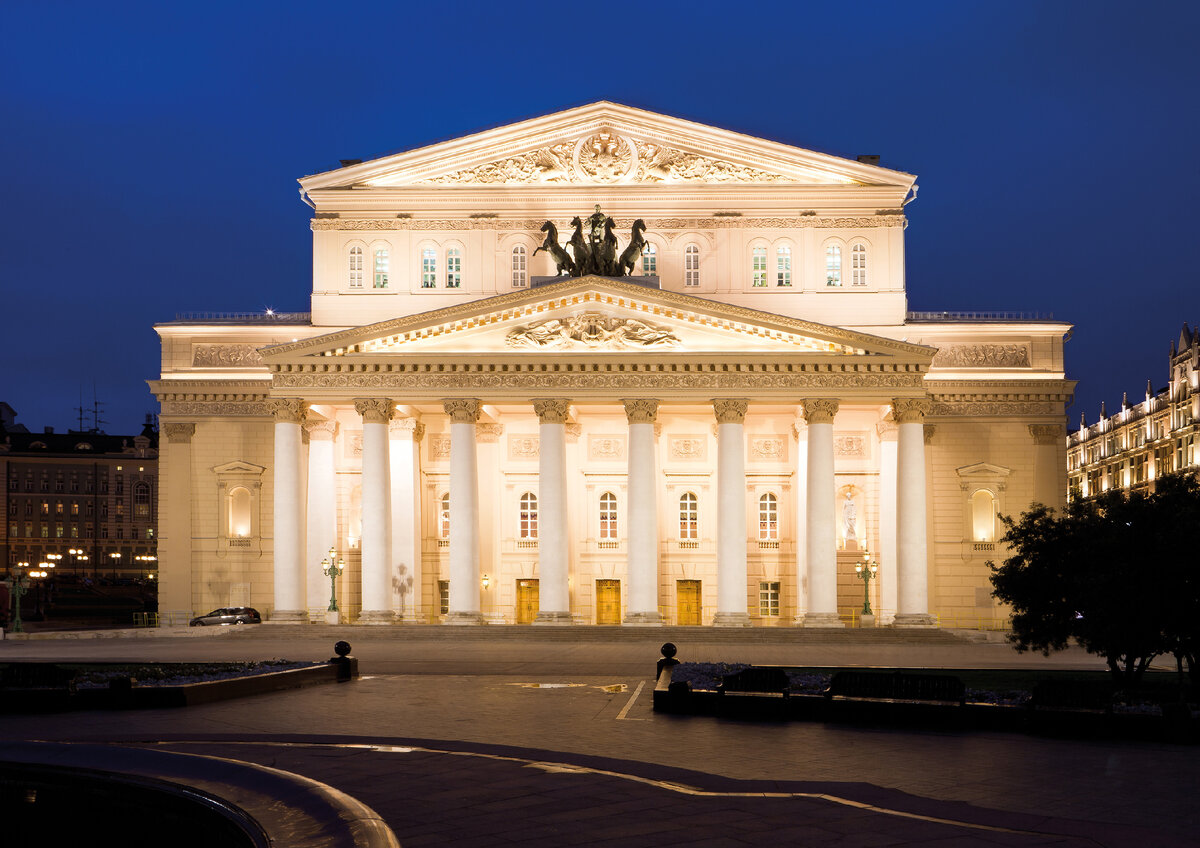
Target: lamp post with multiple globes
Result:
[[865, 571], [332, 566]]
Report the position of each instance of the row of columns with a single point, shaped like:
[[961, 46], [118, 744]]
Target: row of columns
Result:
[[389, 523]]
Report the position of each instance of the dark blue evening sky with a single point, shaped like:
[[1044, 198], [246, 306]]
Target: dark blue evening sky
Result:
[[151, 150]]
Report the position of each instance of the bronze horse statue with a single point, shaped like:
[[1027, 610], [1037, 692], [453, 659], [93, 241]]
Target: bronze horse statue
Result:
[[562, 260], [629, 256], [606, 259], [579, 247]]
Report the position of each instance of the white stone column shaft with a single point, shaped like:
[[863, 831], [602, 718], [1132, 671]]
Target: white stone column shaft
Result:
[[175, 522], [821, 528], [404, 437], [321, 514], [464, 512], [888, 556], [1048, 474], [912, 600], [800, 521], [554, 606], [288, 502], [731, 513], [376, 514], [642, 515]]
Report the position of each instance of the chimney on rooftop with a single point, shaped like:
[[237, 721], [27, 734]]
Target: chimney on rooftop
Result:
[[869, 158], [48, 430]]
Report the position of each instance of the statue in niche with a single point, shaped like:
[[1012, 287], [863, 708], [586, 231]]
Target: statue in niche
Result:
[[850, 518]]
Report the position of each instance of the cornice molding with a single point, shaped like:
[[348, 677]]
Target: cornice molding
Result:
[[531, 226]]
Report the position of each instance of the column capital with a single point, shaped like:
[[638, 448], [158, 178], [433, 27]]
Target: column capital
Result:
[[489, 433], [929, 432], [376, 410], [407, 425], [1047, 434], [641, 410], [289, 410], [730, 410], [887, 430], [462, 410], [551, 410], [820, 410], [179, 432], [910, 410], [799, 429], [322, 430]]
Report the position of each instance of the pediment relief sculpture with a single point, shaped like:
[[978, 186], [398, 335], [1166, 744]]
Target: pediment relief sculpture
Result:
[[593, 330]]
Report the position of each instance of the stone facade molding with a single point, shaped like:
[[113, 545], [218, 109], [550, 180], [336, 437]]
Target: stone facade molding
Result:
[[226, 356], [1048, 434], [530, 226], [488, 433], [322, 430]]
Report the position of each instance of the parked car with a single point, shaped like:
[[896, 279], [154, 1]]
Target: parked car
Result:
[[228, 615]]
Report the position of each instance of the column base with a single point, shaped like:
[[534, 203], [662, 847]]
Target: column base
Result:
[[376, 617], [731, 619], [463, 618], [914, 620], [557, 618], [823, 619], [288, 617], [642, 619]]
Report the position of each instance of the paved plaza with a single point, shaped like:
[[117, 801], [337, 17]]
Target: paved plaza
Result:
[[549, 739]]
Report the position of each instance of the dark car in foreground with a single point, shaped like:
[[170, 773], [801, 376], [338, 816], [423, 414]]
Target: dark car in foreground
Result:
[[228, 615]]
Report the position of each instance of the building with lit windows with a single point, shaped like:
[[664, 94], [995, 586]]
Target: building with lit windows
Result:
[[1142, 442], [718, 437], [85, 501]]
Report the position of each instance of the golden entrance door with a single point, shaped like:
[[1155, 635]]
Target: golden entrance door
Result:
[[527, 601], [608, 601], [687, 602]]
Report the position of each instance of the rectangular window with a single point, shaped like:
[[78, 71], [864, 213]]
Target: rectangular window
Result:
[[29, 529], [58, 485], [13, 528], [759, 267], [650, 260], [45, 507], [691, 266], [89, 509], [74, 531], [519, 271], [74, 484], [120, 484], [356, 267], [428, 268], [453, 268], [381, 269], [45, 531], [103, 531], [74, 507], [833, 265], [120, 532], [783, 266], [768, 599], [58, 508]]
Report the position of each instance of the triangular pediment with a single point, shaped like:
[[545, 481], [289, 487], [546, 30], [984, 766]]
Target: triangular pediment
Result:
[[239, 466], [596, 314], [983, 469], [605, 144]]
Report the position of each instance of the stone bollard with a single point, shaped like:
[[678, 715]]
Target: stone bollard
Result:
[[668, 659], [347, 666]]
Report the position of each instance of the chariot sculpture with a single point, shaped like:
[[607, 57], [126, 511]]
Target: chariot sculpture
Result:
[[592, 247]]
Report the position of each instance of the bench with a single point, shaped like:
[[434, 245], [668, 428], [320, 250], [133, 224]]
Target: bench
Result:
[[770, 682], [34, 675], [896, 686]]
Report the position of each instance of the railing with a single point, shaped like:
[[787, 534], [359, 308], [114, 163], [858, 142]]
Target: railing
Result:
[[175, 618], [239, 543], [443, 543], [608, 544], [145, 619], [768, 544], [980, 316], [527, 543], [245, 317], [985, 546], [688, 544]]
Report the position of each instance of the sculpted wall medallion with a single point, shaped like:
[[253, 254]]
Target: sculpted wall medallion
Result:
[[604, 157], [850, 445], [439, 447], [523, 447], [606, 447], [689, 448], [769, 449]]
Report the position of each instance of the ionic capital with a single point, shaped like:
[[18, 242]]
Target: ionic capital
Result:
[[730, 410], [373, 410], [289, 410], [179, 433], [462, 410], [1047, 434], [321, 430], [910, 410], [551, 410], [820, 410], [641, 410]]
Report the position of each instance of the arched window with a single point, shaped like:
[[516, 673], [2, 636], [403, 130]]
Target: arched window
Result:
[[356, 263], [239, 512], [983, 516], [429, 268], [444, 517], [381, 268], [649, 260], [758, 267], [453, 268], [768, 517], [141, 501], [608, 516], [833, 265], [691, 265], [858, 265], [529, 516], [783, 266], [689, 516], [519, 277]]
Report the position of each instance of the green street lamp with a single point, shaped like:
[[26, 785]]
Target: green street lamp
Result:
[[865, 571], [333, 566], [20, 582]]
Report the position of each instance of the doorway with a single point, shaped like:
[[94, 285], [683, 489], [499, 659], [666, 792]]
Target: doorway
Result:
[[608, 601], [687, 602], [527, 601]]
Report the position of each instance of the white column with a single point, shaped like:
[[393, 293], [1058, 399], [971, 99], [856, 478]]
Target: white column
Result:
[[800, 520], [642, 515], [1048, 474], [888, 557], [288, 543], [404, 438], [376, 515], [175, 521], [321, 512], [912, 600], [731, 513], [464, 512], [821, 527], [554, 605]]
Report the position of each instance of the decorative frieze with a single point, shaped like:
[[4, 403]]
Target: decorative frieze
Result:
[[213, 408], [593, 330], [523, 446], [659, 225], [439, 448], [226, 356], [533, 381], [996, 408], [819, 410], [982, 356]]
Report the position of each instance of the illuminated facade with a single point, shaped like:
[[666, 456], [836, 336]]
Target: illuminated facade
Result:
[[1132, 448], [717, 438]]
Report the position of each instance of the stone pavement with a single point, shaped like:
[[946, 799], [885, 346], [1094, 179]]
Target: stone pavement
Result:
[[536, 740]]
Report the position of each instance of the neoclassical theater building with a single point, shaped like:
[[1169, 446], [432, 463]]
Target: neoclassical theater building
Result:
[[721, 435]]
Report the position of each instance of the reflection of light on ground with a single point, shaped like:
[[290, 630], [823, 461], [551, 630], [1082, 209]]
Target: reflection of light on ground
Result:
[[547, 685], [614, 688]]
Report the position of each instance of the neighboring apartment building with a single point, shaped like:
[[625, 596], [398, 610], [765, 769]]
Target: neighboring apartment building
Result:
[[87, 492], [1132, 448]]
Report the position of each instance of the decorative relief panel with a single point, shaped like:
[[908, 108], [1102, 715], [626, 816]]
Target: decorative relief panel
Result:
[[353, 444], [606, 448], [654, 224], [768, 448], [258, 408], [225, 356], [850, 445], [585, 381], [591, 330], [439, 448], [523, 446], [982, 356], [999, 408], [689, 448], [665, 164]]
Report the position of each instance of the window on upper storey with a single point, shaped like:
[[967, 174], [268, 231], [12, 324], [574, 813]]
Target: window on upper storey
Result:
[[691, 265], [520, 276], [833, 265], [758, 267], [429, 268], [453, 268], [529, 516], [356, 267], [608, 516], [783, 266], [649, 260], [858, 265], [382, 262]]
